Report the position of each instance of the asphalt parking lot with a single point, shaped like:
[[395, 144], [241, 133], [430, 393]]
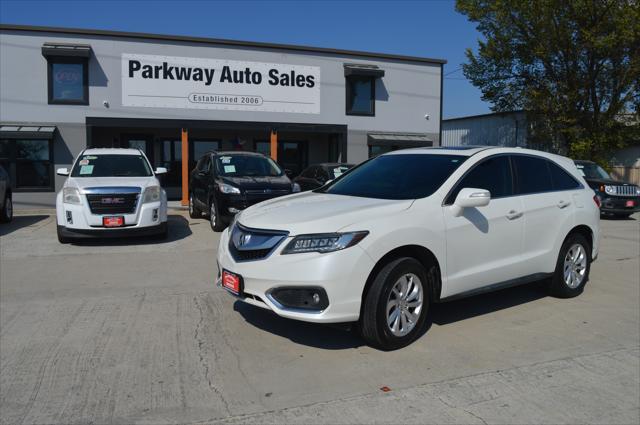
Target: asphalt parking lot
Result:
[[136, 332]]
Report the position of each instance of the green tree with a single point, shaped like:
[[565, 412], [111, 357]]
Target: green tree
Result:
[[573, 65]]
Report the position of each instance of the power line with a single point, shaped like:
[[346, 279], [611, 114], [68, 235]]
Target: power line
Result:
[[451, 72]]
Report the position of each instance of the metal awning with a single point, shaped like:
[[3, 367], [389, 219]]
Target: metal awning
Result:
[[399, 139], [27, 131], [363, 70], [65, 49]]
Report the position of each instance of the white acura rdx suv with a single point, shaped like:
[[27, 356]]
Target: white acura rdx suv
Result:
[[382, 242], [111, 193]]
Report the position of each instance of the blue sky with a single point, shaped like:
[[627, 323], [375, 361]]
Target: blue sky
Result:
[[419, 28]]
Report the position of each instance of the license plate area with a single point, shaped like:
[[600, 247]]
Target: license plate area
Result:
[[232, 282], [630, 203], [115, 221]]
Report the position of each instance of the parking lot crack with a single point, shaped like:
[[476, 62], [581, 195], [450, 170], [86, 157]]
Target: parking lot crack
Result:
[[202, 356]]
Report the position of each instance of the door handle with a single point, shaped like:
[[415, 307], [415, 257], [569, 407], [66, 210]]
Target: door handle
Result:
[[563, 204], [513, 214]]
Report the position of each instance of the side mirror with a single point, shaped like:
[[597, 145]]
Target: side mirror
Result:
[[470, 198], [62, 171], [161, 170]]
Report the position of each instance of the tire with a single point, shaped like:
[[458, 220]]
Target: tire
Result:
[[61, 238], [214, 217], [575, 256], [194, 212], [6, 215], [383, 301]]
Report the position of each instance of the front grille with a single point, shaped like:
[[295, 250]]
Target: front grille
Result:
[[628, 190], [113, 203], [247, 244]]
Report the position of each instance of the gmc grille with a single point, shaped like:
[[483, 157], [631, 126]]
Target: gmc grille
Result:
[[113, 203]]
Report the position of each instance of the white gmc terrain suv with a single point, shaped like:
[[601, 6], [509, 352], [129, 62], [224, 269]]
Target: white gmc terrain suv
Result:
[[412, 227], [111, 193]]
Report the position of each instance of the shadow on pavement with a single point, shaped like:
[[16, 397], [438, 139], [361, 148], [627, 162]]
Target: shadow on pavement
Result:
[[309, 334], [20, 221], [467, 308], [339, 337], [178, 229]]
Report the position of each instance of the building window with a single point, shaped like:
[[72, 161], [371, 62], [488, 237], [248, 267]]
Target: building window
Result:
[[29, 163], [361, 95], [68, 80]]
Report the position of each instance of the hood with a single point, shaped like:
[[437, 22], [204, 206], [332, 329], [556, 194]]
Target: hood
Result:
[[597, 182], [259, 182], [84, 182], [311, 212]]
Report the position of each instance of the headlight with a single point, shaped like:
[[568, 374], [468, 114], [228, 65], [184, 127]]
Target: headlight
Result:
[[638, 191], [295, 188], [323, 242], [151, 194], [610, 190], [227, 188], [71, 195]]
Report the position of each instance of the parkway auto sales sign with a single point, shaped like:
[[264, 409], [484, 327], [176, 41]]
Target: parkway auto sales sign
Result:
[[196, 83]]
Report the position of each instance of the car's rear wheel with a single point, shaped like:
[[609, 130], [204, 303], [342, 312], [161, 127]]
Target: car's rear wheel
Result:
[[6, 214], [395, 308], [194, 212], [214, 217], [572, 268]]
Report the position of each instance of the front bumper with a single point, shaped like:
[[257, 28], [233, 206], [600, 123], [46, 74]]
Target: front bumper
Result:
[[618, 204], [117, 232], [342, 274]]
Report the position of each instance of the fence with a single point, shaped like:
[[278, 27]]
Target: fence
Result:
[[626, 174]]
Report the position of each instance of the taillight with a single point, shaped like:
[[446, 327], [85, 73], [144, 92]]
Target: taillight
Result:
[[596, 199]]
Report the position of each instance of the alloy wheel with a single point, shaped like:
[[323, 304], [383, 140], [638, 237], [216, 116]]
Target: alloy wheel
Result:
[[404, 304], [575, 266]]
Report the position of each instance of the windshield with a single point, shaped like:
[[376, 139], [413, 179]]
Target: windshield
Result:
[[111, 166], [403, 176], [247, 165], [592, 171]]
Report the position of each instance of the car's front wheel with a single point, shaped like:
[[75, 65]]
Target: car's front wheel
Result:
[[6, 215], [572, 268], [214, 217], [395, 308], [194, 212]]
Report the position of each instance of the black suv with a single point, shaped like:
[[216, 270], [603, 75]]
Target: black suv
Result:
[[616, 197], [224, 183]]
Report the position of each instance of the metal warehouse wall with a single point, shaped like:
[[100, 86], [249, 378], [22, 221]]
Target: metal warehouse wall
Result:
[[501, 129]]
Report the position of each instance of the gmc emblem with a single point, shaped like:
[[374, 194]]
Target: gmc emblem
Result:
[[112, 201]]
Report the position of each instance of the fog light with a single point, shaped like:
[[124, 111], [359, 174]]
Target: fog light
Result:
[[233, 210], [300, 298], [69, 217], [155, 214]]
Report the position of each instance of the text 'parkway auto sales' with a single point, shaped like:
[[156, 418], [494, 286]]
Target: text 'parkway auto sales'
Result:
[[181, 82]]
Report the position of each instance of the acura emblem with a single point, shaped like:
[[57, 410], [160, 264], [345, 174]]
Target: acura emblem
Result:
[[244, 239]]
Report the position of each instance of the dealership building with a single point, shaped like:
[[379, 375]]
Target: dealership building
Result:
[[175, 97]]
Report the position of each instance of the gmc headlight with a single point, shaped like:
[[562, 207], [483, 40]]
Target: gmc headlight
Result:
[[610, 190], [71, 195], [323, 242], [227, 188], [295, 188], [151, 194]]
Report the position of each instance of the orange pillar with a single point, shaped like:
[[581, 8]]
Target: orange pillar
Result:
[[274, 145], [185, 167]]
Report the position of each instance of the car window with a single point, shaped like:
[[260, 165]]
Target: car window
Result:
[[309, 173], [533, 174], [321, 174], [247, 165], [492, 174], [203, 164], [592, 171], [561, 179], [337, 171], [111, 166], [403, 176]]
